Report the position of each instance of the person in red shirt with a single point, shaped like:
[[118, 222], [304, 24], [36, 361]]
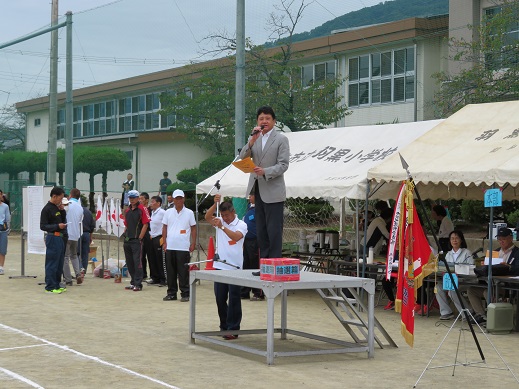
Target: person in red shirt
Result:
[[136, 220]]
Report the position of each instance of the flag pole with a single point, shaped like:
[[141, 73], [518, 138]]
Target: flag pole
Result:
[[442, 258]]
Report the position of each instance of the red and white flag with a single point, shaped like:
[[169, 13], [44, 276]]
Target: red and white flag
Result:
[[99, 213], [106, 217]]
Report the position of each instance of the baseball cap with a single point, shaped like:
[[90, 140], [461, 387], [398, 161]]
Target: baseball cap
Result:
[[178, 193], [133, 194], [504, 231], [64, 201]]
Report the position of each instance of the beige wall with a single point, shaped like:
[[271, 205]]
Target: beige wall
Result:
[[167, 152]]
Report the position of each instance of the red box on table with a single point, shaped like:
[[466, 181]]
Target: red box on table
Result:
[[279, 269]]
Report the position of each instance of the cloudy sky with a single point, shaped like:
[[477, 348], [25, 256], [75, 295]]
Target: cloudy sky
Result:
[[115, 39]]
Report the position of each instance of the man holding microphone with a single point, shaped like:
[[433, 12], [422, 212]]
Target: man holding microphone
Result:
[[270, 152]]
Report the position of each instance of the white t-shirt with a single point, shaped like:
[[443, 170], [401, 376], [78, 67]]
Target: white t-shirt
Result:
[[229, 250], [446, 227], [74, 219], [156, 222], [179, 228]]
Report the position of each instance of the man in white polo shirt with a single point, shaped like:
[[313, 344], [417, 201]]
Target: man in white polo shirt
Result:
[[179, 236], [230, 232]]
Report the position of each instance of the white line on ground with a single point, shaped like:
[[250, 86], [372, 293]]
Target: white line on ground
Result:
[[95, 359], [21, 347], [21, 378]]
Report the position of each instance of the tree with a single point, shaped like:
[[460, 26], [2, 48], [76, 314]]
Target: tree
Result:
[[12, 129], [494, 59], [99, 160], [202, 101]]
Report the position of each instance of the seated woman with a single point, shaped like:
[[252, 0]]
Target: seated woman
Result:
[[458, 255]]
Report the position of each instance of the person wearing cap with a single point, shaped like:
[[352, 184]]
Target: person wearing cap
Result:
[[509, 254], [179, 237], [51, 222], [5, 226], [136, 221], [74, 215], [163, 186], [230, 233]]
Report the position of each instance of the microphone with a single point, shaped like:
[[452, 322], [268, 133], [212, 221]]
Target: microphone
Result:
[[257, 131]]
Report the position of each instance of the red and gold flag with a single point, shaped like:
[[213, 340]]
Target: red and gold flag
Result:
[[416, 262]]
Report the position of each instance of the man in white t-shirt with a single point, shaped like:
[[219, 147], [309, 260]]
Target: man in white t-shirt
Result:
[[230, 232], [156, 263], [179, 236], [74, 222]]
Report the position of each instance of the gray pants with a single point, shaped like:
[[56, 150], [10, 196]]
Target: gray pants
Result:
[[71, 256], [443, 302]]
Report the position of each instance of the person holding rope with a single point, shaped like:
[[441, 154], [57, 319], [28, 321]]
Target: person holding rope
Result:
[[230, 231]]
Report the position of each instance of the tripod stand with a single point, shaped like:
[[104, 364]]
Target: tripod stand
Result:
[[457, 362]]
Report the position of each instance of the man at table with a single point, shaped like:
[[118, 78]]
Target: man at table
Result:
[[509, 254], [230, 231]]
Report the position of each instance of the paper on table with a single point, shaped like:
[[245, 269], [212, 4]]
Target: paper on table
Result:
[[495, 258], [245, 165]]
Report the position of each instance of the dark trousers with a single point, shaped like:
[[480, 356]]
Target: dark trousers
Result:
[[250, 261], [146, 253], [132, 253], [84, 249], [230, 315], [388, 288], [156, 261], [176, 261], [269, 224], [54, 260]]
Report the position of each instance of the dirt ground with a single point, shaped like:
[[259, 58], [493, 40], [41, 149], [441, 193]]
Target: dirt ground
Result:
[[98, 335]]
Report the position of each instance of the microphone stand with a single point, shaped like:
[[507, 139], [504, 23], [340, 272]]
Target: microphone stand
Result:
[[215, 260], [216, 186]]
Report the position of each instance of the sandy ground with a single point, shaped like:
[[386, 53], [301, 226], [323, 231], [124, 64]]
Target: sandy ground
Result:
[[98, 335]]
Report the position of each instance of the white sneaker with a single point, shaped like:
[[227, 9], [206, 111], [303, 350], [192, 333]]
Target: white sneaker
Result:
[[1, 270]]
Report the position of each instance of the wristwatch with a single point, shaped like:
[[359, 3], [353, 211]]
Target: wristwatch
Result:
[[222, 228]]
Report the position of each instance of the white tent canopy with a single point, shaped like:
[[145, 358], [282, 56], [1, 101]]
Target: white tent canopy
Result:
[[331, 162], [461, 157]]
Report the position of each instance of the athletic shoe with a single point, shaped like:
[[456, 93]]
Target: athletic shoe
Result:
[[257, 298], [230, 337], [169, 298], [449, 316], [418, 309], [137, 288], [79, 279], [1, 271], [479, 319], [184, 299], [390, 305], [129, 287], [69, 283], [63, 289], [53, 291]]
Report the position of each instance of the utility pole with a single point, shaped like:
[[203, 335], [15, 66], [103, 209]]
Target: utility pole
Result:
[[239, 123], [69, 146], [53, 99]]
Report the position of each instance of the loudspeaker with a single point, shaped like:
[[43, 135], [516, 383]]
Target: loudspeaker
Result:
[[500, 318]]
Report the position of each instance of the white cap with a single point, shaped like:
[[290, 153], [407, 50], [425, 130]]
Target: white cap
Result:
[[178, 193], [133, 193], [64, 201]]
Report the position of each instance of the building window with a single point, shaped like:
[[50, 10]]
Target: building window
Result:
[[37, 122], [317, 73], [503, 38], [379, 78]]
